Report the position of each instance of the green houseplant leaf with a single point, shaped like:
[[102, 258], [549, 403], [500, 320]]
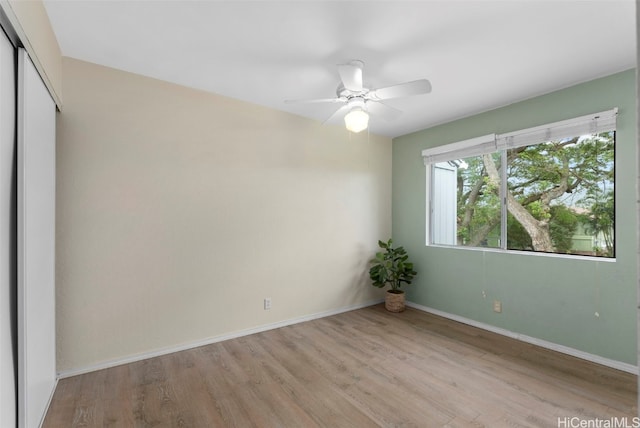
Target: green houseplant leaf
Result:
[[391, 267]]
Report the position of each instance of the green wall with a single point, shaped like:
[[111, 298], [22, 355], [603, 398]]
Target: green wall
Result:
[[546, 297]]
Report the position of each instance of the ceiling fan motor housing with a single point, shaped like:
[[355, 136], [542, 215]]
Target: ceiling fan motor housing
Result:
[[359, 101], [347, 94]]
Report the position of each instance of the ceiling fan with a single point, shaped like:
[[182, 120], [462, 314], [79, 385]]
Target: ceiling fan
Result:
[[358, 101]]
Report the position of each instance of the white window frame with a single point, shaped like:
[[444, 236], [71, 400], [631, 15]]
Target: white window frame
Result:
[[595, 123]]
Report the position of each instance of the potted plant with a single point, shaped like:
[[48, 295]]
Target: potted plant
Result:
[[392, 267]]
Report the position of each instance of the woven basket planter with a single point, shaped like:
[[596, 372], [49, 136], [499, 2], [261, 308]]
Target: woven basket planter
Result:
[[394, 302]]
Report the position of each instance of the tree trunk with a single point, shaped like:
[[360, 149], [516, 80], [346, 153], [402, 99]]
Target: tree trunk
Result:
[[537, 230], [484, 231], [470, 204]]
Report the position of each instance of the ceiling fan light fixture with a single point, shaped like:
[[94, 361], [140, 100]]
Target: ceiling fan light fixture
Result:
[[356, 120], [358, 100]]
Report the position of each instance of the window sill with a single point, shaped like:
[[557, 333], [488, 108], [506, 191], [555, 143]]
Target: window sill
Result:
[[525, 253]]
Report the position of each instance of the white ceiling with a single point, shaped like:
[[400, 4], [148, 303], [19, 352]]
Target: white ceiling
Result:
[[478, 54]]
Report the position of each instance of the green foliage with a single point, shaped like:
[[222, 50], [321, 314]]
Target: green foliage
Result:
[[478, 203], [391, 266], [552, 181], [538, 210], [563, 225], [600, 221], [517, 236]]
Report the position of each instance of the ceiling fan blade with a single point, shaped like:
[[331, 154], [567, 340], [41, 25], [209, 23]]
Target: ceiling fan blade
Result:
[[317, 101], [336, 114], [385, 111], [351, 75], [416, 87]]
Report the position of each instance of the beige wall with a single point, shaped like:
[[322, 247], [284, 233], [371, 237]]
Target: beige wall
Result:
[[179, 211], [31, 22]]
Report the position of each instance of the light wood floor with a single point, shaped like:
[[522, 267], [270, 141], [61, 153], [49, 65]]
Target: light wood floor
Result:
[[364, 368]]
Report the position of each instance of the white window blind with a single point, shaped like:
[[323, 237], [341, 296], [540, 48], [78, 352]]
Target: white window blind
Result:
[[461, 149], [589, 124]]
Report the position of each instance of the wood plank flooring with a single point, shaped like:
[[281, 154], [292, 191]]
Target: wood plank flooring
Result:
[[365, 368]]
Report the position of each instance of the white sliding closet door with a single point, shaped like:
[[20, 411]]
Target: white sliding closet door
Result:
[[8, 338], [36, 245]]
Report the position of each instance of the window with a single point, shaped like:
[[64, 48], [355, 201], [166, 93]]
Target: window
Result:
[[547, 189]]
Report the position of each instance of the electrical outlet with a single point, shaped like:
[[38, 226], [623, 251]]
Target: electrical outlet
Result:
[[267, 303], [497, 306]]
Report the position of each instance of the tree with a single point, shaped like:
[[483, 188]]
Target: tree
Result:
[[600, 221], [478, 203], [543, 182], [563, 224]]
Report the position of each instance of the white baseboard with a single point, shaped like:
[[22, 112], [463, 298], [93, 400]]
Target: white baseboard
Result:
[[169, 350], [524, 338], [619, 365]]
